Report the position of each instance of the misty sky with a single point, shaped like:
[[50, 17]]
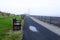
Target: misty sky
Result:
[[34, 7]]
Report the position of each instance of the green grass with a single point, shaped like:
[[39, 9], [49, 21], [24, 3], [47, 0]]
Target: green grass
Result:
[[19, 18], [6, 23], [14, 37]]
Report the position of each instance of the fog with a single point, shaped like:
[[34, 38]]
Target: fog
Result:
[[33, 7]]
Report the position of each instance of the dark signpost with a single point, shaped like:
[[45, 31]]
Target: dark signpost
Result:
[[16, 24]]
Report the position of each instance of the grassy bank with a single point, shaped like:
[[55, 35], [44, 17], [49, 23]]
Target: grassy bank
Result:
[[6, 23]]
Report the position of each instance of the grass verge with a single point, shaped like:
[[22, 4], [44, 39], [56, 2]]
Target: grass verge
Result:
[[6, 23]]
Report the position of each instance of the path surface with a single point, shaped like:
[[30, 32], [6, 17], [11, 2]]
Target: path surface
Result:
[[50, 27], [35, 31]]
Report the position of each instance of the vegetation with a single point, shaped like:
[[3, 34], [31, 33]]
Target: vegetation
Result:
[[14, 36], [6, 23]]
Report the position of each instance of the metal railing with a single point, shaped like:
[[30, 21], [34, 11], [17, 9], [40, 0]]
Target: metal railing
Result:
[[49, 19]]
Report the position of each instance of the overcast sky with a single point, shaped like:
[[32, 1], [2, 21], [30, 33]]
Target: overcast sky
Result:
[[35, 7]]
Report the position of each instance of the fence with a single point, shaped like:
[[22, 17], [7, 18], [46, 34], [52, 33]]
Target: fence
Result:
[[49, 19]]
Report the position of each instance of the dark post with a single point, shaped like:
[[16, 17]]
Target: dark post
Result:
[[50, 20], [14, 20]]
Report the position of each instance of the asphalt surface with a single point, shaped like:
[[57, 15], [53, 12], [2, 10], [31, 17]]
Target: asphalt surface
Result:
[[40, 32]]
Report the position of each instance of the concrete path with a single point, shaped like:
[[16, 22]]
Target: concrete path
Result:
[[50, 27], [35, 31]]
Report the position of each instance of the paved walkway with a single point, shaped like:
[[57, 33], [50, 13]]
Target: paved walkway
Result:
[[50, 27]]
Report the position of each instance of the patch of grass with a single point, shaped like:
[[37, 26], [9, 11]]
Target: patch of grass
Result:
[[6, 23], [19, 18], [14, 37]]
